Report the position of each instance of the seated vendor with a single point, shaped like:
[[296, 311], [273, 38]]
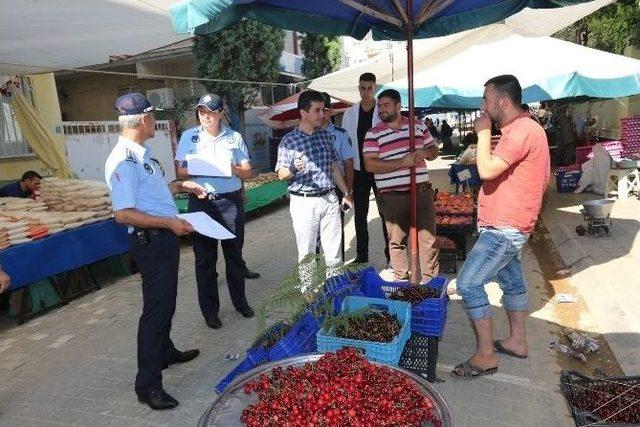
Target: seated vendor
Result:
[[29, 182]]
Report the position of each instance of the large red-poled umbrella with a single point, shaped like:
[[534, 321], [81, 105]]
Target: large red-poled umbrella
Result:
[[284, 114], [387, 19]]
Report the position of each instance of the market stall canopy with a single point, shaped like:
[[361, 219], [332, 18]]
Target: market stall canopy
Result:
[[285, 113], [547, 68], [392, 65], [356, 18], [48, 35]]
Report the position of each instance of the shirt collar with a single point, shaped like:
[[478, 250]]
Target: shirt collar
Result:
[[405, 122], [138, 149], [519, 116], [330, 128], [315, 131], [223, 131]]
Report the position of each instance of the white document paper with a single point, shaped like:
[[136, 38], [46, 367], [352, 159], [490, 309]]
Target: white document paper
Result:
[[208, 165], [205, 225], [464, 175]]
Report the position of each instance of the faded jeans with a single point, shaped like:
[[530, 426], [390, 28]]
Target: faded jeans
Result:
[[494, 257]]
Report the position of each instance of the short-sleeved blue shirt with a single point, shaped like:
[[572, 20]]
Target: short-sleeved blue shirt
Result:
[[342, 143], [228, 143], [13, 190], [317, 151], [136, 180]]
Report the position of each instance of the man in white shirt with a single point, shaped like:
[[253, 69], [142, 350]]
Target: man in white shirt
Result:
[[357, 120]]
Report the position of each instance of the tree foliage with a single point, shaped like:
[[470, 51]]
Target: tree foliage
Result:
[[321, 55], [248, 51], [611, 28]]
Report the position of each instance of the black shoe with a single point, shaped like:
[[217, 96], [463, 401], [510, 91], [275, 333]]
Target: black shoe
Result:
[[158, 399], [360, 261], [247, 312], [248, 274], [184, 357], [214, 322]]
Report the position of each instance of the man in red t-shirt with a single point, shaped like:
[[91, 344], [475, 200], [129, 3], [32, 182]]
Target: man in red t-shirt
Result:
[[515, 177]]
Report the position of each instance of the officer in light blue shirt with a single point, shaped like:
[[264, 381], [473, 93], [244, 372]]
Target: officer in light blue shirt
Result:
[[136, 180], [213, 143], [226, 144], [142, 199], [342, 144]]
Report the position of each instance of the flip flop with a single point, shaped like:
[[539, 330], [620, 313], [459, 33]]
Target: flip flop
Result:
[[497, 345], [470, 371]]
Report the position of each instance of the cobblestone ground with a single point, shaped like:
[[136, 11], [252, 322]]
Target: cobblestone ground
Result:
[[76, 365]]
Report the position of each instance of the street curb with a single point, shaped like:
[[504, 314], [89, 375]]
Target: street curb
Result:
[[564, 240]]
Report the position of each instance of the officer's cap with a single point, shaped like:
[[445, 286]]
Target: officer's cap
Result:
[[133, 103], [211, 101]]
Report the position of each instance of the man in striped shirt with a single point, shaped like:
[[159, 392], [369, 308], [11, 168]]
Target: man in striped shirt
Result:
[[386, 154]]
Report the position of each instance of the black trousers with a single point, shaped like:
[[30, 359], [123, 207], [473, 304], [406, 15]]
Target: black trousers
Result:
[[229, 212], [363, 183], [158, 264]]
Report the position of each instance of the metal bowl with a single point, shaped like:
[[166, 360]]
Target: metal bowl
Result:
[[598, 208], [227, 408]]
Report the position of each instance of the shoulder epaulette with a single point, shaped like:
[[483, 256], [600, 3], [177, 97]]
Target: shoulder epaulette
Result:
[[130, 156]]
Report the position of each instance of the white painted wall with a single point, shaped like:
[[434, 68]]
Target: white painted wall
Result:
[[88, 145]]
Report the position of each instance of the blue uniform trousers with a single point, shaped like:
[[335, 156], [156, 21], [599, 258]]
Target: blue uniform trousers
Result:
[[158, 264], [229, 212]]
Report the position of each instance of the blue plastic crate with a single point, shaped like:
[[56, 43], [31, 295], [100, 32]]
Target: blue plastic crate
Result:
[[255, 357], [339, 299], [300, 339], [567, 182], [274, 329], [336, 288], [428, 317], [388, 353]]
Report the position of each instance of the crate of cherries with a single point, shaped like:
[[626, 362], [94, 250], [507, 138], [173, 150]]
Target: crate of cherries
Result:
[[428, 301], [602, 401]]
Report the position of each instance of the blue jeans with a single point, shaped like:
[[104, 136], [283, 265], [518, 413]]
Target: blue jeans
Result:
[[494, 257]]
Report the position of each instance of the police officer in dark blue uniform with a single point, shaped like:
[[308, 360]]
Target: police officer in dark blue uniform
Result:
[[213, 141], [142, 199]]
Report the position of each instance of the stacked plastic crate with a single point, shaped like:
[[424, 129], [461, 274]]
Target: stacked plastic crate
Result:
[[630, 136]]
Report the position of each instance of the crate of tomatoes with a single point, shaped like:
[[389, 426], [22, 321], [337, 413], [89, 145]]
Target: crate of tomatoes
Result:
[[454, 204]]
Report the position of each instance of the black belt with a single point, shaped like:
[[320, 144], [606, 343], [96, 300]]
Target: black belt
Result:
[[220, 196], [150, 231], [308, 194], [423, 186]]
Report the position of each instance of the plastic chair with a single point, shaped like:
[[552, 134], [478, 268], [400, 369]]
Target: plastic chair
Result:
[[623, 182]]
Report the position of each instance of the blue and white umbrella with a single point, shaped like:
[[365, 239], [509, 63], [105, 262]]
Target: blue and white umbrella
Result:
[[547, 68]]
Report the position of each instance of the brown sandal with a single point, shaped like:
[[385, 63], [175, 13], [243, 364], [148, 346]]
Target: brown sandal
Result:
[[471, 371], [498, 347]]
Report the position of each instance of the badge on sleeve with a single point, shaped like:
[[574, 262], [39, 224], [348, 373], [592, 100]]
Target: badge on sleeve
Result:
[[148, 168]]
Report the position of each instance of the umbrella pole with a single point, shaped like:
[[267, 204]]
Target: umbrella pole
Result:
[[413, 229]]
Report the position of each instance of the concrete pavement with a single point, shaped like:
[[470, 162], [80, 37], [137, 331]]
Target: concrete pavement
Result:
[[605, 271]]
